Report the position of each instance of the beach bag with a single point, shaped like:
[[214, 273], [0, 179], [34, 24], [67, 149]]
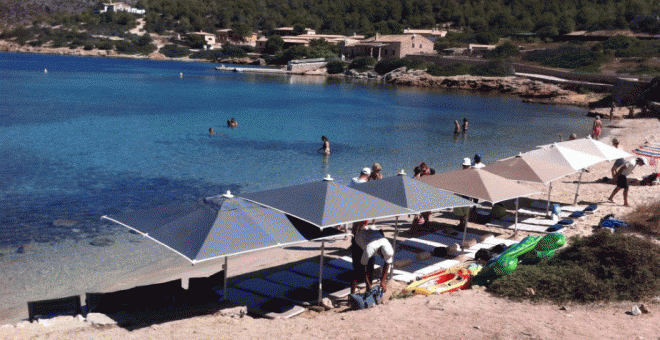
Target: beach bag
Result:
[[366, 300]]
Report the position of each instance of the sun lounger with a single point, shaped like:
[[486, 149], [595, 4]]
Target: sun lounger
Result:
[[291, 279], [48, 308], [538, 212], [547, 222], [298, 295], [495, 241], [311, 269], [263, 306]]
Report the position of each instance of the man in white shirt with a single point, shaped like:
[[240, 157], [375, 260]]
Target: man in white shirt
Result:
[[368, 243], [621, 178]]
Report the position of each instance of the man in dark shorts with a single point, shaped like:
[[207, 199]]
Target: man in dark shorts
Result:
[[364, 247], [621, 178]]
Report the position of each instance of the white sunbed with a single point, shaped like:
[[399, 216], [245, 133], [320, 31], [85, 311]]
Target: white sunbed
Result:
[[272, 289], [291, 279], [539, 212], [311, 269], [542, 222], [254, 303]]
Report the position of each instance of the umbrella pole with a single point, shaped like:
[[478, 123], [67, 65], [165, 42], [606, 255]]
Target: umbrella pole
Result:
[[224, 281], [578, 188], [467, 219], [547, 207], [396, 233], [321, 271], [516, 220]]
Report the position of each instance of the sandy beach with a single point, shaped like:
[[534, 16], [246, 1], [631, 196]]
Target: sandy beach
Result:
[[57, 270]]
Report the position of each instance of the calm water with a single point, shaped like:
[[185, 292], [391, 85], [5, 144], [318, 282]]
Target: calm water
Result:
[[94, 136]]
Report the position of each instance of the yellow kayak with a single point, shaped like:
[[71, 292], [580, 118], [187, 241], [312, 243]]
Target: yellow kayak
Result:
[[442, 282]]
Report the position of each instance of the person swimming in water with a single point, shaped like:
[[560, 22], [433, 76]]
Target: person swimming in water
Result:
[[211, 132], [232, 123], [457, 127], [325, 149]]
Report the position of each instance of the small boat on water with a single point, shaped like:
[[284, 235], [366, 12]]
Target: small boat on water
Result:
[[443, 282]]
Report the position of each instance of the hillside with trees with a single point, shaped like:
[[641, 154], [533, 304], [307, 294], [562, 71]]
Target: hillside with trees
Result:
[[367, 17]]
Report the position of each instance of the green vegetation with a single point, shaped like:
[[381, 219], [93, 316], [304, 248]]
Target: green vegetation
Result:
[[389, 65], [174, 51], [645, 219], [601, 267], [505, 50], [335, 67], [362, 64], [571, 57], [491, 69]]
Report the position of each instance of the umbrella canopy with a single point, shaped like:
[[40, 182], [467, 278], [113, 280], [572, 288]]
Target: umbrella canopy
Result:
[[651, 151], [412, 194], [595, 148], [530, 168], [556, 153], [213, 227], [479, 184], [326, 203]]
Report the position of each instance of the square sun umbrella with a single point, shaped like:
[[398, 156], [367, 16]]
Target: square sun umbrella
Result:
[[480, 184], [536, 168], [214, 227], [412, 194], [326, 204], [581, 154]]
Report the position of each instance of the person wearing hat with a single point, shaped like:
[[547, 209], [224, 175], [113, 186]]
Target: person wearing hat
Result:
[[467, 163], [621, 178], [617, 163], [364, 176], [477, 162]]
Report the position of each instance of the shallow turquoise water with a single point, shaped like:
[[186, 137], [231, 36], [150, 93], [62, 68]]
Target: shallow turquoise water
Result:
[[95, 136]]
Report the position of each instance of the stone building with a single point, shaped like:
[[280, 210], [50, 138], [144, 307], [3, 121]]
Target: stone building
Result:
[[387, 46]]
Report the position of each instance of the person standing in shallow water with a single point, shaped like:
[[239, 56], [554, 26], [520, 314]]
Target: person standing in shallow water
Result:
[[457, 127], [325, 149], [597, 128], [465, 125]]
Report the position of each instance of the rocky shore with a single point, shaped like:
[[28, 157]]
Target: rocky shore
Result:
[[534, 91]]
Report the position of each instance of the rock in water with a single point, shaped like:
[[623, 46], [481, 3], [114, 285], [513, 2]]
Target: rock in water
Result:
[[102, 242]]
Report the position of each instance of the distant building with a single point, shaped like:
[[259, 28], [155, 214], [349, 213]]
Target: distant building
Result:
[[209, 38], [289, 31], [119, 6], [227, 35], [305, 40], [387, 46], [432, 34], [476, 49]]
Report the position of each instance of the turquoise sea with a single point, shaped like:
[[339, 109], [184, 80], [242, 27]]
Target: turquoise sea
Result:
[[95, 136]]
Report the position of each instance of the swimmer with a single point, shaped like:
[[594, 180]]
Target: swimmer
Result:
[[465, 124], [211, 132], [325, 149], [457, 127]]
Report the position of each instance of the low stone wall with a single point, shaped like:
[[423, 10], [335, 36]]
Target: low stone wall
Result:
[[304, 67]]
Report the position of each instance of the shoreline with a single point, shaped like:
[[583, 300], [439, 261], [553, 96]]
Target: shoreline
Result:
[[464, 310], [531, 91]]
